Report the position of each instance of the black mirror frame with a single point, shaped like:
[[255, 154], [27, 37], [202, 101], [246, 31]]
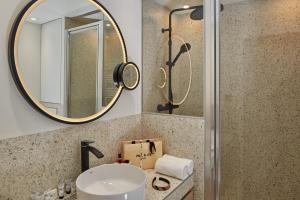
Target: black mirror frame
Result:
[[18, 80]]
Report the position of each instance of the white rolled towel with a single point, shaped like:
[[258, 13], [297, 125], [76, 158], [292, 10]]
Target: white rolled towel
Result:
[[176, 167]]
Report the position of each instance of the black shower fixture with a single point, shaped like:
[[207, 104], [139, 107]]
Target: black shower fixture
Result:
[[196, 14], [185, 47]]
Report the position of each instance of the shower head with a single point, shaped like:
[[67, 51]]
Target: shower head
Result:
[[197, 14], [185, 47]]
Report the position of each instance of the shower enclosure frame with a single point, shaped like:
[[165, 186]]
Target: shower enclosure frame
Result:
[[212, 166]]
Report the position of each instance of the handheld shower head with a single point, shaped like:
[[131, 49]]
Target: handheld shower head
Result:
[[185, 47]]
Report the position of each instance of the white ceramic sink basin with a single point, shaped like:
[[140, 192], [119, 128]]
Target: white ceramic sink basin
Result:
[[112, 182]]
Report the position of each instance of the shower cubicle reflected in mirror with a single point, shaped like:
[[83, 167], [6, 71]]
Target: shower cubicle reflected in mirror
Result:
[[90, 67], [63, 55]]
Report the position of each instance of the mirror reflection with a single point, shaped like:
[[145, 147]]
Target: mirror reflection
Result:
[[130, 76], [67, 52]]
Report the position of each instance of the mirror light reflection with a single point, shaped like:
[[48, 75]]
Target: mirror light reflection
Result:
[[67, 52]]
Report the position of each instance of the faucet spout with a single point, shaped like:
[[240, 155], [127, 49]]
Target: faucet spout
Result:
[[85, 157], [96, 152]]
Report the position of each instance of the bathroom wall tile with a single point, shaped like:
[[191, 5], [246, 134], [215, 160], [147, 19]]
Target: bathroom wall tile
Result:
[[192, 32], [38, 162], [155, 17], [183, 137]]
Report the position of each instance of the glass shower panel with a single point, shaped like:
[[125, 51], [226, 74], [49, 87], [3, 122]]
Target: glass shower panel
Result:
[[83, 63], [260, 99]]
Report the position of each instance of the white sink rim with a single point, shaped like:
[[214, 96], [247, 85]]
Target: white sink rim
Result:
[[80, 186]]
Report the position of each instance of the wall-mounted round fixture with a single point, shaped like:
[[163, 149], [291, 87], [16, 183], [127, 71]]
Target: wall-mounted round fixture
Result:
[[127, 75], [74, 84], [186, 6]]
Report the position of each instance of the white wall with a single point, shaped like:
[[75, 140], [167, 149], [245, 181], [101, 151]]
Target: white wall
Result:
[[18, 118], [51, 61], [30, 56]]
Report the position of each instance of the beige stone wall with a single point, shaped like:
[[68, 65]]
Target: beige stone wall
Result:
[[192, 32], [72, 23], [155, 55], [112, 55], [83, 58], [183, 137], [39, 162], [155, 17], [260, 100]]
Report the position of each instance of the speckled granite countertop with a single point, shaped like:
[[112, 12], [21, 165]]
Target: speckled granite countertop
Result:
[[177, 191]]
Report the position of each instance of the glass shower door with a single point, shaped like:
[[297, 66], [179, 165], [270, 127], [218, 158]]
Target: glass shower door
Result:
[[83, 89], [260, 100]]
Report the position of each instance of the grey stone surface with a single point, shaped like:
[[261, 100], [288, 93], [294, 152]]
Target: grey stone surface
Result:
[[177, 190], [39, 162], [155, 17], [183, 137], [260, 100], [181, 190]]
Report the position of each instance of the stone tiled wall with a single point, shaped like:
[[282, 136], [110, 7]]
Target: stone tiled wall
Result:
[[183, 137], [260, 100], [39, 162], [192, 32], [155, 17]]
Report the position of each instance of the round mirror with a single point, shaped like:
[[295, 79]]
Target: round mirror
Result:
[[127, 75], [63, 54]]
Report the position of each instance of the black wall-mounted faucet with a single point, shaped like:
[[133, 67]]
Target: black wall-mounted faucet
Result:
[[85, 149]]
